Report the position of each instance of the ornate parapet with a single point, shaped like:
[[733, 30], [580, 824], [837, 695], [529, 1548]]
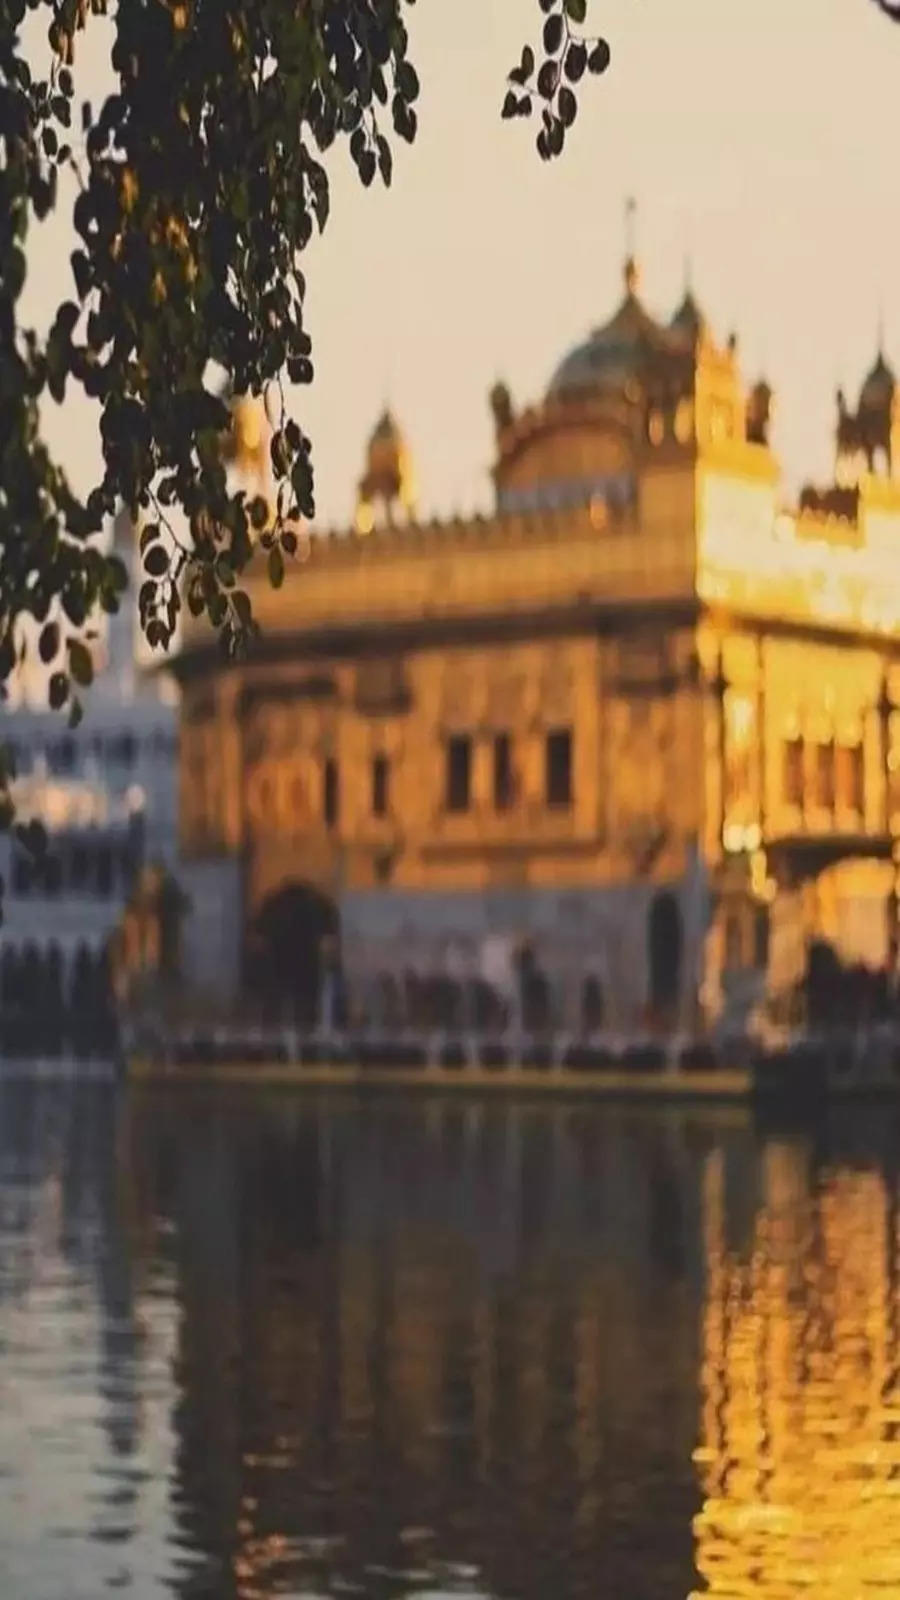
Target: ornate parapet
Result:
[[807, 568], [482, 568]]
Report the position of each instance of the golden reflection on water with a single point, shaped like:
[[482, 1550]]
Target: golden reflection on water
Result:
[[799, 1453]]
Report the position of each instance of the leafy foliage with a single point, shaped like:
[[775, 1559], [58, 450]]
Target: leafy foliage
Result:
[[566, 54], [200, 183]]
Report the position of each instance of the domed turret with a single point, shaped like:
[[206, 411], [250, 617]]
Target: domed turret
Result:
[[618, 353], [387, 482], [759, 412], [868, 440], [879, 388], [501, 407], [689, 322]]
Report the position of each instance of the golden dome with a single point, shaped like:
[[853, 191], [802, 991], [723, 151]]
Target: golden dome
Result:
[[387, 481]]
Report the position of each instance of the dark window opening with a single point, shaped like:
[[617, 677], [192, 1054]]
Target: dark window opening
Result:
[[793, 772], [459, 772], [558, 777], [503, 772], [65, 755], [380, 785], [851, 778], [825, 776], [332, 795]]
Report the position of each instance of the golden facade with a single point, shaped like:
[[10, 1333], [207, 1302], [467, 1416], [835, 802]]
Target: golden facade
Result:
[[642, 678]]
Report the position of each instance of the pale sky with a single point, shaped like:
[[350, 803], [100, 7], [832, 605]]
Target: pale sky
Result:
[[761, 141]]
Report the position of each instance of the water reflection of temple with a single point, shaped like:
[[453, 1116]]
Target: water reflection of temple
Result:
[[476, 1321], [799, 1453]]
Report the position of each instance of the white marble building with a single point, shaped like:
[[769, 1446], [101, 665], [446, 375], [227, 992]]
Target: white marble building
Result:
[[106, 793]]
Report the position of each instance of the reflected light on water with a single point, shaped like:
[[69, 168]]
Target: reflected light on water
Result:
[[310, 1348], [799, 1454]]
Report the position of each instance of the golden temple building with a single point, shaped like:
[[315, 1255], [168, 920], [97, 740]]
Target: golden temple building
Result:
[[640, 718]]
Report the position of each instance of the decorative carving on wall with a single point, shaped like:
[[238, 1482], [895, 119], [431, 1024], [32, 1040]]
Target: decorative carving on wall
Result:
[[557, 687], [640, 780], [460, 694], [381, 688], [506, 700]]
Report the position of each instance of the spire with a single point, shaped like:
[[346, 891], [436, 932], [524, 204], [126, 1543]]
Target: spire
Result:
[[632, 273]]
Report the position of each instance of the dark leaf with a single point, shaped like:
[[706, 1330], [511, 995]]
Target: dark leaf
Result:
[[242, 607], [548, 78], [408, 80], [568, 107], [600, 57], [554, 33], [81, 664], [156, 561], [276, 567], [385, 161], [48, 644], [58, 691], [576, 61]]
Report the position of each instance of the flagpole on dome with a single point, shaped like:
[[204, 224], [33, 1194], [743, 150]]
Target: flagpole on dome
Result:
[[631, 266]]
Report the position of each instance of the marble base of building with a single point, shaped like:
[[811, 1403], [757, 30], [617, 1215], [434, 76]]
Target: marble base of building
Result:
[[211, 930], [616, 957]]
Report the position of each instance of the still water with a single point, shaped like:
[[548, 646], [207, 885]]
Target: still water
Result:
[[318, 1347]]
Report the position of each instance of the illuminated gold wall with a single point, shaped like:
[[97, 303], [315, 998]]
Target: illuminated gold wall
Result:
[[725, 669], [633, 728]]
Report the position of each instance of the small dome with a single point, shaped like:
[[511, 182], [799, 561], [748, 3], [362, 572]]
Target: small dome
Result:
[[501, 406], [878, 390], [386, 445], [616, 353], [388, 476], [689, 322]]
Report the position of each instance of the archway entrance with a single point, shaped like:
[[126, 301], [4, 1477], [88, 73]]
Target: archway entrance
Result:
[[287, 945], [665, 940]]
